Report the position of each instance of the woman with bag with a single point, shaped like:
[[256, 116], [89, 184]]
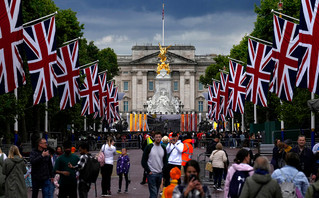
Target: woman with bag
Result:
[[14, 169], [218, 157], [109, 151]]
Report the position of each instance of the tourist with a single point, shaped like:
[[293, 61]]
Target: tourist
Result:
[[306, 157], [218, 158], [313, 189], [84, 186], [187, 150], [174, 150], [275, 152], [175, 174], [14, 169], [58, 151], [287, 146], [192, 186], [241, 165], [122, 168], [260, 184], [106, 170], [3, 156], [41, 174], [290, 173], [67, 181], [154, 161]]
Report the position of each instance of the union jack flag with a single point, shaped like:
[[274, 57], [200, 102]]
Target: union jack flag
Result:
[[89, 90], [308, 72], [67, 75], [258, 72], [11, 38], [112, 105], [237, 86], [41, 53], [285, 55], [214, 101], [102, 96], [224, 94]]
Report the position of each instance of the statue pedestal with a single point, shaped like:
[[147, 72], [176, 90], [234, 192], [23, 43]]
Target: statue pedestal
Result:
[[163, 101]]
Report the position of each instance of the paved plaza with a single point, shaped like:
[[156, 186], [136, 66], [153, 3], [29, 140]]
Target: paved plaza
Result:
[[136, 174]]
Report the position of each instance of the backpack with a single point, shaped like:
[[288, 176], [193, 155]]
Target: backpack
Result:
[[101, 157], [288, 188], [91, 170], [236, 183], [315, 192]]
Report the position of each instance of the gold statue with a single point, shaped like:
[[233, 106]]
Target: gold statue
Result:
[[162, 56]]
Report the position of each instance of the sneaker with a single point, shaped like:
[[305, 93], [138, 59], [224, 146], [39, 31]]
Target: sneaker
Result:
[[103, 195], [119, 191], [219, 189], [142, 183], [126, 191], [214, 186], [108, 193]]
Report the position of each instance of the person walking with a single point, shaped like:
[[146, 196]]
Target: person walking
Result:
[[174, 150], [41, 169], [123, 168], [67, 182], [154, 161], [290, 173], [260, 184], [84, 186], [3, 156], [218, 158], [307, 159], [14, 169], [240, 166], [109, 151]]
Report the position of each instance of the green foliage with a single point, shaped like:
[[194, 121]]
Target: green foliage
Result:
[[212, 71], [108, 61]]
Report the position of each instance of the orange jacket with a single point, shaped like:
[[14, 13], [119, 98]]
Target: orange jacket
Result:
[[187, 151]]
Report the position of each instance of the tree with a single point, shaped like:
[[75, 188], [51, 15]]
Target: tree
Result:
[[212, 71]]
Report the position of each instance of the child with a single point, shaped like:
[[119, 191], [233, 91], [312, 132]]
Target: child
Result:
[[123, 166]]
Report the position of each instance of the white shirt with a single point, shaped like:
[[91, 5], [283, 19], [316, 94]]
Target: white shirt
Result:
[[175, 152], [109, 152]]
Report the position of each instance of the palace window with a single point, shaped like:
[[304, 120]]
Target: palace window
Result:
[[151, 86], [200, 106], [200, 86], [125, 106], [125, 85], [175, 85]]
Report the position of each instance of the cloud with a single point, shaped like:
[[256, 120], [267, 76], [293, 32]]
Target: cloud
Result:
[[209, 33]]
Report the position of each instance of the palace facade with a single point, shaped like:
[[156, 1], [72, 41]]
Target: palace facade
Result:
[[138, 71]]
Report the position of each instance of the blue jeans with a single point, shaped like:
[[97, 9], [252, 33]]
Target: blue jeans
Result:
[[154, 182], [44, 185]]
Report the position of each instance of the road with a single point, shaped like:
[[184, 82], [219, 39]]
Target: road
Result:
[[136, 174]]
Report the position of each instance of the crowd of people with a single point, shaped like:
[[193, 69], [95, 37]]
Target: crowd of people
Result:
[[292, 171]]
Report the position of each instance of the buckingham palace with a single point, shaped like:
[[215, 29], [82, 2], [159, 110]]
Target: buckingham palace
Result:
[[138, 71]]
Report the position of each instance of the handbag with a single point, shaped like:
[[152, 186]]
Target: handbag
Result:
[[209, 167], [101, 157]]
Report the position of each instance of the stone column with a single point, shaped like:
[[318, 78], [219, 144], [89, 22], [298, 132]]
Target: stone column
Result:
[[182, 86], [144, 90], [133, 88], [193, 89]]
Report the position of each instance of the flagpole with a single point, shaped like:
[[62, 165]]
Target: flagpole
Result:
[[255, 114], [242, 123], [16, 117], [281, 14], [39, 19], [236, 60], [313, 125], [163, 25], [84, 123], [258, 39], [103, 71], [81, 67], [46, 118], [71, 41]]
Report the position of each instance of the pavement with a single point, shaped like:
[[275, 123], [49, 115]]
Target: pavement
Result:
[[136, 175]]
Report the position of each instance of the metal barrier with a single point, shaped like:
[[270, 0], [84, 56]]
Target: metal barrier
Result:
[[202, 159]]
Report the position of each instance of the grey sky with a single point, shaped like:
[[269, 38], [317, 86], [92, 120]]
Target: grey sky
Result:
[[212, 26]]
